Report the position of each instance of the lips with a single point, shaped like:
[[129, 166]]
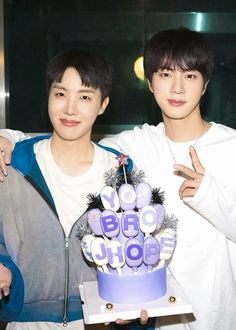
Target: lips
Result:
[[176, 103], [69, 123]]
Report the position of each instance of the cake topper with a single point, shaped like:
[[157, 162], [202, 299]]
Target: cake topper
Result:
[[132, 234]]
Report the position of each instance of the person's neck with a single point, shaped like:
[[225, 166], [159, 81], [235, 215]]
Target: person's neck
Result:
[[74, 158], [185, 130]]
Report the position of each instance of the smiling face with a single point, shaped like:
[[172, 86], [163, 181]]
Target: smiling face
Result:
[[73, 107], [177, 92]]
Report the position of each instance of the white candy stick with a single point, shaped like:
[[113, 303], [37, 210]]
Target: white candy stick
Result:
[[148, 220], [99, 253], [167, 241], [116, 256], [110, 198], [86, 247]]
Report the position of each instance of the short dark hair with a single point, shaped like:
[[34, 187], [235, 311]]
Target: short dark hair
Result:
[[178, 49], [94, 70]]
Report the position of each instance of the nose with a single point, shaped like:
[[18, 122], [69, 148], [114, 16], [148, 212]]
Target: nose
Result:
[[71, 107], [177, 84]]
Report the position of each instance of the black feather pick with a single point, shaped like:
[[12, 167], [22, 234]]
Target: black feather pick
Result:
[[94, 202], [83, 228], [157, 196]]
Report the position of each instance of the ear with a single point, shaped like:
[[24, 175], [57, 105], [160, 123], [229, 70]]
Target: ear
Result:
[[205, 87], [150, 86], [104, 105]]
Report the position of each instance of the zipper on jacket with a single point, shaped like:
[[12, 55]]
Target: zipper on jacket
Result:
[[65, 322], [66, 281], [47, 200]]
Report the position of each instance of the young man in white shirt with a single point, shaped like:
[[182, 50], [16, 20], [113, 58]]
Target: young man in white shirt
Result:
[[194, 163]]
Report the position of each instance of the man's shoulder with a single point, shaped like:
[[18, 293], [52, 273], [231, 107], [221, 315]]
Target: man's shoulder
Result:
[[139, 132], [27, 145], [112, 155], [23, 154], [221, 138], [148, 128], [223, 131]]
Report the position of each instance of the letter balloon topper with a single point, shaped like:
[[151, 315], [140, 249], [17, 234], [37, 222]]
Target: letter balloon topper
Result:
[[132, 232]]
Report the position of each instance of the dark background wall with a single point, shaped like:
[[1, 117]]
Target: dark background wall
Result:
[[36, 30]]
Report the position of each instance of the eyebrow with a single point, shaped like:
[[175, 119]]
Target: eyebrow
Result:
[[186, 70], [54, 86], [165, 69], [84, 90], [87, 90]]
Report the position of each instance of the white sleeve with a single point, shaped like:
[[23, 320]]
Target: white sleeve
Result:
[[13, 136], [118, 142], [111, 141], [217, 204], [126, 142]]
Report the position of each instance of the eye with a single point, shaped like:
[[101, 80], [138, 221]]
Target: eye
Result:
[[165, 74], [59, 94], [191, 75], [85, 97]]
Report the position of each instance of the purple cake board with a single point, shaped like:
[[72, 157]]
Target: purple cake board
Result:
[[94, 307]]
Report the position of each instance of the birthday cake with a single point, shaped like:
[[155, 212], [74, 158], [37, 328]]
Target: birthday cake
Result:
[[130, 238]]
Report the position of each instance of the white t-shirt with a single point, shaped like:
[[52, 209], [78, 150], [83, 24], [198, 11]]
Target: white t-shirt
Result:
[[204, 261], [69, 194]]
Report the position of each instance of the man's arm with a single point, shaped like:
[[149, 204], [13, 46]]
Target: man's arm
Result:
[[203, 193], [8, 139], [127, 142]]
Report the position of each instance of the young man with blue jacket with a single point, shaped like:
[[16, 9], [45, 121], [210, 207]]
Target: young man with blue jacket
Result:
[[44, 200]]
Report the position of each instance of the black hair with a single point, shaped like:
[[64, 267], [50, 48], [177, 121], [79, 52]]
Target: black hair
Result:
[[178, 49], [94, 71]]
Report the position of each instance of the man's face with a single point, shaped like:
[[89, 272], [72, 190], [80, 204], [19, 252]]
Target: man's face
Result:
[[73, 107], [177, 92]]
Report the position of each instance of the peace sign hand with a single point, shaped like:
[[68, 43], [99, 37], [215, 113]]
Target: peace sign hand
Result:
[[193, 178]]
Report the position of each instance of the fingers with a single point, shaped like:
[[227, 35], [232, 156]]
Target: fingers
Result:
[[5, 157], [3, 168], [6, 149], [189, 188], [122, 322], [188, 172], [193, 177], [5, 281], [4, 291], [143, 317], [195, 161], [197, 166]]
